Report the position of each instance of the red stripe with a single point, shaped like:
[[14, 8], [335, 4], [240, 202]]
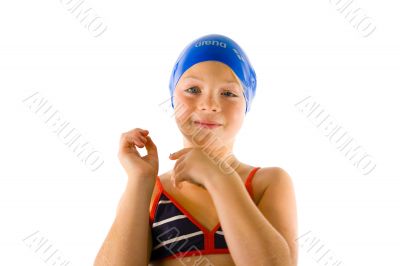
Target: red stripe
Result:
[[209, 247], [191, 218], [249, 180], [156, 199], [197, 252]]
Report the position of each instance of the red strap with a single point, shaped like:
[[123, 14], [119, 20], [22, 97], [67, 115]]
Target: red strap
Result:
[[160, 189], [155, 201], [249, 180]]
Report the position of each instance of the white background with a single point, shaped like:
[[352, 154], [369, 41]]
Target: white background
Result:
[[112, 83]]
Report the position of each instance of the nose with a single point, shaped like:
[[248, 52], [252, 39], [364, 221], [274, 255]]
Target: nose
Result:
[[209, 103]]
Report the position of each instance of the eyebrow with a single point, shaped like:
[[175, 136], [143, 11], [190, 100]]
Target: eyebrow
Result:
[[225, 81]]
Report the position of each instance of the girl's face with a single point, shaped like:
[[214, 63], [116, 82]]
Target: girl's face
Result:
[[210, 91]]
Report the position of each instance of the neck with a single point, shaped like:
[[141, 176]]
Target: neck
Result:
[[224, 150]]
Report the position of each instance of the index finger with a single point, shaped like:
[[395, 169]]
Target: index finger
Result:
[[179, 153]]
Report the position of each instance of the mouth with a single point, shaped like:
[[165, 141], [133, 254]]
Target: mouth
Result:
[[207, 124]]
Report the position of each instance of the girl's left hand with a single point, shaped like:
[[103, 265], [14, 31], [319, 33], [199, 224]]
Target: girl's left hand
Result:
[[194, 166]]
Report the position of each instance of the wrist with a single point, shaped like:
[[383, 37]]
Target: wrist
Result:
[[146, 183], [220, 179]]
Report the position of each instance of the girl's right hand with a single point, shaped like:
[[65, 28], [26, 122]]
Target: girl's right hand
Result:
[[135, 165]]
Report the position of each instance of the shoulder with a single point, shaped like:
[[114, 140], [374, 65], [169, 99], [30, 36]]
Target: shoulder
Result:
[[274, 173], [278, 205], [264, 177]]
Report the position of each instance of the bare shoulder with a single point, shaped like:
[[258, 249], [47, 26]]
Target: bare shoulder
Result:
[[272, 173], [264, 177], [278, 205]]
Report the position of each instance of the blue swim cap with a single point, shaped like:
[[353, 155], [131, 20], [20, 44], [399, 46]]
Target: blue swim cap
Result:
[[216, 47]]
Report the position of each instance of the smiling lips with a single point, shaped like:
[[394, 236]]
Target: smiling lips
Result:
[[207, 124]]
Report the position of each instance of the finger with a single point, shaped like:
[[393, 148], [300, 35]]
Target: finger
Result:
[[143, 131], [176, 178], [127, 140], [176, 168], [128, 143], [141, 135], [131, 136], [151, 147], [137, 140], [176, 172], [179, 153], [142, 139]]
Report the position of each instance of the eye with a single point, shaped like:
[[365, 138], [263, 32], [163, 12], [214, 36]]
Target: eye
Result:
[[230, 93], [190, 89], [226, 92]]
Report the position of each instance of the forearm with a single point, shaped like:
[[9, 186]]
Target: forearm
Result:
[[251, 239], [126, 242]]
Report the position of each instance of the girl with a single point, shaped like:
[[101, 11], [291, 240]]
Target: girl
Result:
[[210, 209]]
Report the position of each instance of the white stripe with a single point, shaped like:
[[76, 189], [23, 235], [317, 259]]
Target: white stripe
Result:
[[177, 239], [164, 201], [173, 218], [219, 232]]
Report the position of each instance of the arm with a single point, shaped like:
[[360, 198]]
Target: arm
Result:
[[251, 237], [127, 242]]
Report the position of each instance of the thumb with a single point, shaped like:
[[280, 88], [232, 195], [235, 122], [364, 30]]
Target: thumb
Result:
[[151, 147]]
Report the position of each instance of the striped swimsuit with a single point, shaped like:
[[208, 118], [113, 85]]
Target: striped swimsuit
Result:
[[175, 232]]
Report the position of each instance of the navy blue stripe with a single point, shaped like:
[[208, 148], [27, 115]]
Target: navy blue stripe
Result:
[[219, 241], [177, 228], [184, 245], [180, 227]]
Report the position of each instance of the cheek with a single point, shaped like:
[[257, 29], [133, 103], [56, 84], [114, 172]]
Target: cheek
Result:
[[235, 114], [182, 108], [185, 105], [182, 99], [235, 108], [238, 118]]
